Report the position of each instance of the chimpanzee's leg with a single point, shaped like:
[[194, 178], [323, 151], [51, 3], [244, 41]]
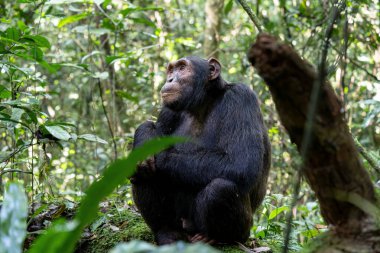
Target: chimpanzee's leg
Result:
[[221, 213], [157, 203]]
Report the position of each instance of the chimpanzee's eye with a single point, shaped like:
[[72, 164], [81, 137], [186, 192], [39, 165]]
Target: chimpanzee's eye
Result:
[[182, 67]]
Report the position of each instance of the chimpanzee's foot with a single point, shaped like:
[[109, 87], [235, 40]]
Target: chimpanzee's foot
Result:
[[166, 236], [202, 238]]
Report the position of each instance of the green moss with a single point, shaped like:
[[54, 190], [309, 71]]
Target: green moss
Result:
[[118, 227], [115, 227]]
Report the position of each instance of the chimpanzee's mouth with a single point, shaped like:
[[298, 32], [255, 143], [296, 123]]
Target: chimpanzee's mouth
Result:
[[168, 94]]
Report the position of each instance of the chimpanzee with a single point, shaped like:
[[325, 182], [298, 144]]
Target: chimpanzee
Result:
[[208, 188]]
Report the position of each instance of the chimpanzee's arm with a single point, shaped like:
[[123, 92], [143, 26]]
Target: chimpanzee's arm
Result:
[[166, 123], [144, 132], [238, 151]]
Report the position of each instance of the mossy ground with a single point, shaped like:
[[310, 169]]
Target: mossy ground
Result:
[[116, 226]]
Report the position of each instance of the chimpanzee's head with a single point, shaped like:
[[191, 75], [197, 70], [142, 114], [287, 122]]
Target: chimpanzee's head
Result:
[[188, 82]]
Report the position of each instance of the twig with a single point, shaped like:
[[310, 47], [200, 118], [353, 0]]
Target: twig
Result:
[[251, 15], [315, 93], [16, 151], [344, 61], [108, 120], [10, 171]]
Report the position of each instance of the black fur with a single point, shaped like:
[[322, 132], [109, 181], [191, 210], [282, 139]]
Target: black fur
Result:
[[213, 184]]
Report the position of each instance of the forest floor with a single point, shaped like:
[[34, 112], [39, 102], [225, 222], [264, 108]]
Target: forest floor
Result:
[[114, 224]]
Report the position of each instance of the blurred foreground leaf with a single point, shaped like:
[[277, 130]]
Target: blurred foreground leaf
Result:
[[13, 215], [179, 247]]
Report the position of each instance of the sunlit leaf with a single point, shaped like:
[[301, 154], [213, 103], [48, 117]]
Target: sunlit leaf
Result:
[[38, 40], [72, 19], [58, 132], [4, 92], [92, 137], [228, 7], [277, 211]]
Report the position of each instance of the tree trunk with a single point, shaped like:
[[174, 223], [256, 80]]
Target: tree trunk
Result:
[[332, 167], [213, 11]]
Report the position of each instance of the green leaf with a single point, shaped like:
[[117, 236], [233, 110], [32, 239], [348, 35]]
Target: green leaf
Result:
[[21, 25], [58, 132], [13, 219], [36, 54], [127, 11], [4, 92], [228, 7], [62, 237], [38, 40], [143, 21], [128, 96], [17, 113], [12, 34], [277, 211], [72, 19], [92, 137], [53, 2]]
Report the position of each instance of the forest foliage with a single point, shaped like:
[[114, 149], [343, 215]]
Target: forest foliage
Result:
[[78, 76]]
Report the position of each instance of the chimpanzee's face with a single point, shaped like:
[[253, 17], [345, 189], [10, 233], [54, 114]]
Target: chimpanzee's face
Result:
[[179, 82], [187, 82]]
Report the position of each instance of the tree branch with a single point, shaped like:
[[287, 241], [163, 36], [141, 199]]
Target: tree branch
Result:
[[251, 15]]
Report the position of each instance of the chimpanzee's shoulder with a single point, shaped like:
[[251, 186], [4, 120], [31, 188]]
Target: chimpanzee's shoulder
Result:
[[240, 91]]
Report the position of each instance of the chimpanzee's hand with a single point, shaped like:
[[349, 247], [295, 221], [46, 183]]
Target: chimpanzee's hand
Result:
[[144, 132], [145, 170]]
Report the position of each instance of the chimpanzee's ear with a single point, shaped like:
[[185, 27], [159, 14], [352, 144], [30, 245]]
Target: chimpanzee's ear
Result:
[[215, 67]]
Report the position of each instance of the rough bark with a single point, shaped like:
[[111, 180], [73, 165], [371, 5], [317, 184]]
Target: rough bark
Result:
[[332, 167], [213, 10]]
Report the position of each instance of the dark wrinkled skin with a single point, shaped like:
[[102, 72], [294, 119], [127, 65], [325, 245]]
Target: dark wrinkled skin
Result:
[[208, 188]]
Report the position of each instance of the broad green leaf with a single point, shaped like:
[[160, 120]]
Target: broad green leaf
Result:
[[12, 33], [17, 113], [92, 137], [277, 211], [228, 7], [39, 40], [58, 132], [72, 19], [10, 41], [62, 237], [37, 54], [4, 92], [13, 215]]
